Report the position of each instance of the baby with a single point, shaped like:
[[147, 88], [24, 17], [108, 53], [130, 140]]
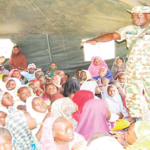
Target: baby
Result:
[[53, 68], [5, 139]]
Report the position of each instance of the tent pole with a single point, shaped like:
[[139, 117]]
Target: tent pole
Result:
[[49, 49]]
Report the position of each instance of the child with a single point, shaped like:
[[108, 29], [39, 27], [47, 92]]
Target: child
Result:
[[38, 110], [114, 101], [96, 64], [38, 73], [30, 73], [58, 134], [85, 75], [56, 80], [33, 86], [3, 115], [121, 78], [5, 139], [3, 80], [19, 124], [12, 85], [51, 72], [17, 74], [105, 81], [103, 73], [118, 66], [23, 93], [5, 77]]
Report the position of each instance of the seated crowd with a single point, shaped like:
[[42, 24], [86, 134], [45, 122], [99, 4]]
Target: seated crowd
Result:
[[53, 111]]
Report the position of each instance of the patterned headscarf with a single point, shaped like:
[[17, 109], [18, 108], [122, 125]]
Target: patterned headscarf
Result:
[[64, 107], [16, 123], [142, 131]]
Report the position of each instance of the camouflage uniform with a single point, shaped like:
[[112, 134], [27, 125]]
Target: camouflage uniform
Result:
[[137, 69]]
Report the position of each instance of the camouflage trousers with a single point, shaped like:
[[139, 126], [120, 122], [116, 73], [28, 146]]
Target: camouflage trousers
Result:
[[134, 87]]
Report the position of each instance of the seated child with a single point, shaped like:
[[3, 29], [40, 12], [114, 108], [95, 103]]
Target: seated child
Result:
[[114, 101], [96, 64], [17, 74], [3, 115], [5, 139], [38, 110], [51, 72], [23, 93], [33, 86], [77, 75], [3, 79], [37, 83], [19, 124], [30, 73], [12, 86], [38, 73], [58, 134], [85, 75], [6, 100], [119, 65], [103, 73], [56, 80], [121, 78]]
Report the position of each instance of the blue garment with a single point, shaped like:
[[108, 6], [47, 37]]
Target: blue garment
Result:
[[108, 76]]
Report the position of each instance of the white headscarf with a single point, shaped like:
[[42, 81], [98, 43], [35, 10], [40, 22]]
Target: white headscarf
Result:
[[114, 103], [64, 107], [36, 115], [4, 109], [105, 143], [89, 85], [13, 92]]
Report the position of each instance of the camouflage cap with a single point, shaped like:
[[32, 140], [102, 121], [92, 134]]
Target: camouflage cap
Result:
[[140, 9]]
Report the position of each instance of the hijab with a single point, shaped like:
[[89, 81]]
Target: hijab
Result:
[[115, 68], [34, 114], [89, 86], [80, 98], [93, 118], [64, 107], [47, 139], [105, 143], [17, 60], [115, 103], [95, 69], [14, 91], [142, 131], [88, 76]]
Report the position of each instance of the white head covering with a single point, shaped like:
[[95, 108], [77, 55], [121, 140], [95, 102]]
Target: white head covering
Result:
[[3, 109], [18, 84], [36, 115], [64, 107], [89, 85], [105, 143], [59, 80], [114, 103]]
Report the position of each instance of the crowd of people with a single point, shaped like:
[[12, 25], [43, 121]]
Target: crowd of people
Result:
[[53, 111]]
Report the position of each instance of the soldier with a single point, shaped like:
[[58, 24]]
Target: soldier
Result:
[[138, 64]]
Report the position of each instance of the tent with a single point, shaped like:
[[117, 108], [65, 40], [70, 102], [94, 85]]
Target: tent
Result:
[[52, 30]]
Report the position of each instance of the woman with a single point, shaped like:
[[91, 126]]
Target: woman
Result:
[[52, 92], [93, 118], [80, 98], [96, 64], [114, 101], [17, 59], [65, 107]]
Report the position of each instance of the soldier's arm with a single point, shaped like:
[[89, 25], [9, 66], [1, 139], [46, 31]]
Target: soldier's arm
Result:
[[104, 38]]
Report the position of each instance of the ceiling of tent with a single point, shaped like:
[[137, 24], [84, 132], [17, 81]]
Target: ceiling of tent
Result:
[[82, 17]]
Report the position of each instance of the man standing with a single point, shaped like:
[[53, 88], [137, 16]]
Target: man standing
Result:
[[138, 64]]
